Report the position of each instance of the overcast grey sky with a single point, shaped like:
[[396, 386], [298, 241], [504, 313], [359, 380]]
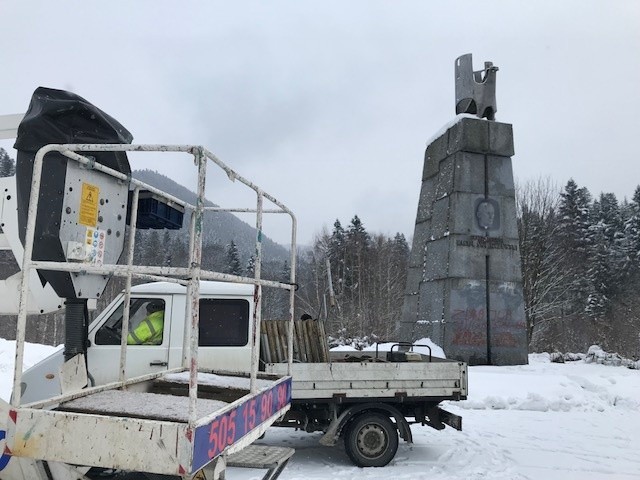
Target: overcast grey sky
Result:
[[328, 104]]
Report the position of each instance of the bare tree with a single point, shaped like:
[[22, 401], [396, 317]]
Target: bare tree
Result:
[[544, 281]]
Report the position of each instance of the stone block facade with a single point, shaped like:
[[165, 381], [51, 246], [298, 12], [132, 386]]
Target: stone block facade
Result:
[[464, 287]]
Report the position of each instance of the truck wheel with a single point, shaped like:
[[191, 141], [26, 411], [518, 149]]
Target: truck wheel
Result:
[[371, 440]]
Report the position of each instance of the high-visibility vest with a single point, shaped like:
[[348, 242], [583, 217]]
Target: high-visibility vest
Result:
[[148, 331]]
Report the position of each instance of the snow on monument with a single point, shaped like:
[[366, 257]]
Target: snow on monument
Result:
[[464, 285]]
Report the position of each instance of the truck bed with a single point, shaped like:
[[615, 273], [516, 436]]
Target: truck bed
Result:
[[138, 421], [360, 375]]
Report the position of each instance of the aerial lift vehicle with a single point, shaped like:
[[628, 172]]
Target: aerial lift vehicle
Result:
[[77, 207]]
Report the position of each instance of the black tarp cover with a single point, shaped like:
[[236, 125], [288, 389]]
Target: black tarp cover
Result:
[[58, 116]]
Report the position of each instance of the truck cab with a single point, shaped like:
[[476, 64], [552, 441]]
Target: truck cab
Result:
[[223, 336]]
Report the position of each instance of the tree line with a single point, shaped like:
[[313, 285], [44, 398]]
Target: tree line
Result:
[[354, 280], [581, 267]]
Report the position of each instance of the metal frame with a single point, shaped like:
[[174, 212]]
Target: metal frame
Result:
[[189, 275]]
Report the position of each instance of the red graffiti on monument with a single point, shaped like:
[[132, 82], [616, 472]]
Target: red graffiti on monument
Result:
[[470, 327]]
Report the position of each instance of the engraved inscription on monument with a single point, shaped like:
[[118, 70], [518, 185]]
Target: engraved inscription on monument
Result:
[[491, 243]]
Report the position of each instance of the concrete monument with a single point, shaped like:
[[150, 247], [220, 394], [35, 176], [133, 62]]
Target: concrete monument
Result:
[[464, 285]]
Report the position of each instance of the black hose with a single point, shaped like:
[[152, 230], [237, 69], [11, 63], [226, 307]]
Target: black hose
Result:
[[75, 328]]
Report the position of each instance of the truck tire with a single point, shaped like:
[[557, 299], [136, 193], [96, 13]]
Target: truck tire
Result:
[[371, 440]]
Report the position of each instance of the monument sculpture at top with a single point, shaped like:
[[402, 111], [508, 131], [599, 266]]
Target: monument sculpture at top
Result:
[[475, 91], [464, 285]]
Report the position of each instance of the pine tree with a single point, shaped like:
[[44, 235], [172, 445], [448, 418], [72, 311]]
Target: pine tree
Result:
[[632, 234], [166, 248], [152, 251], [251, 266], [7, 165], [574, 218], [337, 240], [400, 252], [607, 211], [281, 295], [285, 273], [606, 255], [233, 260], [573, 238], [599, 273], [139, 246], [336, 251], [179, 252], [357, 242], [357, 247], [214, 257]]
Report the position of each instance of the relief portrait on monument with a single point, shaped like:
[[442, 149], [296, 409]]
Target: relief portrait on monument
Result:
[[487, 214]]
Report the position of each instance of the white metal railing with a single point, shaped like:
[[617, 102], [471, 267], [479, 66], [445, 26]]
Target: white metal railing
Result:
[[189, 275]]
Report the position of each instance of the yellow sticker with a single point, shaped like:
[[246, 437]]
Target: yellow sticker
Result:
[[89, 205]]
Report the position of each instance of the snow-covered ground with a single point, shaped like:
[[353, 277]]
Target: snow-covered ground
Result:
[[33, 353], [571, 421], [547, 421]]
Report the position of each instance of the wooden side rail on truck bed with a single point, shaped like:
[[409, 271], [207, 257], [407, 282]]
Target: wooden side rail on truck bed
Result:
[[309, 341]]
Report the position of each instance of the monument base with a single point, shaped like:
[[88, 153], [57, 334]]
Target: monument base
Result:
[[464, 286]]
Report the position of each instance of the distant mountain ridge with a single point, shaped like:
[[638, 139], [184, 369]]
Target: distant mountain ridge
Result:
[[220, 227]]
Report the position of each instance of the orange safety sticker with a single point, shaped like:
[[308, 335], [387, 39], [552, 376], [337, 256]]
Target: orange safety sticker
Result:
[[89, 205]]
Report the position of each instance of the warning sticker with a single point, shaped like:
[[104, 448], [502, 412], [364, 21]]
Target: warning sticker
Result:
[[94, 246], [89, 205]]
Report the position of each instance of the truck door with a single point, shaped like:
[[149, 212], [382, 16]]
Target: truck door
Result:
[[148, 340]]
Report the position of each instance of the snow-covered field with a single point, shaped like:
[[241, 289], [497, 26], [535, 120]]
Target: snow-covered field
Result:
[[571, 421]]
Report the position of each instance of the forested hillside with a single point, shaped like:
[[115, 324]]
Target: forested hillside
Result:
[[220, 227], [355, 279]]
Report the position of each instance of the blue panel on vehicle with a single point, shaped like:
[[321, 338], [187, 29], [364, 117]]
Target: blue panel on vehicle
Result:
[[228, 428]]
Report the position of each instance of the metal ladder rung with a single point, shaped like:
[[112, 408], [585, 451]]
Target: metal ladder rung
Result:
[[273, 459]]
